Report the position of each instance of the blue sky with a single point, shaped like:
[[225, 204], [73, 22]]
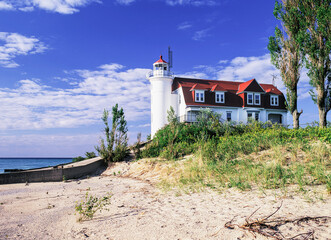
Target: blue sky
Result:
[[63, 61]]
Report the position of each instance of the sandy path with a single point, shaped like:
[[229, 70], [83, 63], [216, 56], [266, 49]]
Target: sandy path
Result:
[[140, 211]]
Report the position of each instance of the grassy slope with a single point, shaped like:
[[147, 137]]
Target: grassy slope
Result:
[[253, 157]]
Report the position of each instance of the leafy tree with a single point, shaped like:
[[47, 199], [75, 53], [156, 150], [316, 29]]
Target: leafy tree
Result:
[[286, 51], [116, 146], [316, 15]]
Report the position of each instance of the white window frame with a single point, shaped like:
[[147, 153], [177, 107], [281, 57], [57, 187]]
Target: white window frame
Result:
[[199, 96], [276, 100], [221, 95], [253, 117], [257, 94], [250, 94]]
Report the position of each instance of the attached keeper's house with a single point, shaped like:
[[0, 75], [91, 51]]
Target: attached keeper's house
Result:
[[235, 101]]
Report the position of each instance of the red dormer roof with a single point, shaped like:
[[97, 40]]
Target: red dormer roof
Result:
[[217, 87], [198, 86], [160, 60], [251, 85]]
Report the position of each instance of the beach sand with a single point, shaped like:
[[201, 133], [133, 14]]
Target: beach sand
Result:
[[139, 210]]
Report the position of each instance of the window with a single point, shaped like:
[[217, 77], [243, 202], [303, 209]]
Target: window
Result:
[[199, 96], [219, 97], [257, 99], [228, 116], [251, 116], [257, 116], [250, 98], [179, 99], [274, 100]]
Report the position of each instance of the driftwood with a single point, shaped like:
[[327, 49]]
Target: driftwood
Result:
[[270, 228]]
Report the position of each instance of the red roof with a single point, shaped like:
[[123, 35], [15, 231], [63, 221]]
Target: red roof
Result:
[[198, 87], [251, 85], [269, 88], [217, 87], [233, 99], [160, 60]]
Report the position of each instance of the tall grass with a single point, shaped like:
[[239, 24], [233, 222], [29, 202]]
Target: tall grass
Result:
[[246, 156]]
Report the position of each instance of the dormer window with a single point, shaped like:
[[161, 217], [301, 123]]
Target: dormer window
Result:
[[257, 99], [219, 97], [250, 98], [199, 96], [273, 100]]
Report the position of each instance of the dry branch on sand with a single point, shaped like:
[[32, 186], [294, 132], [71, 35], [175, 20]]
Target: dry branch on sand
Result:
[[271, 228]]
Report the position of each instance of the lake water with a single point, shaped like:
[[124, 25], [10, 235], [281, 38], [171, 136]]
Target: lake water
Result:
[[27, 163]]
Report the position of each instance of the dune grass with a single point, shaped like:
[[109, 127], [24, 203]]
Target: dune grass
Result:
[[258, 156]]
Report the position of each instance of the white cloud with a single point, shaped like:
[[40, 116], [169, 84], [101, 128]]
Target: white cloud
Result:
[[184, 25], [59, 6], [6, 6], [246, 68], [191, 2], [125, 2], [33, 105], [201, 34], [15, 45]]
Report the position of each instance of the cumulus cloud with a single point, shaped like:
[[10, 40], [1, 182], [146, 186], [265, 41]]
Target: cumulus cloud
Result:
[[34, 105], [14, 44], [59, 6], [246, 68]]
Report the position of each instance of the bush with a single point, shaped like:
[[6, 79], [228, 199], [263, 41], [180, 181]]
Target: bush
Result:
[[90, 205]]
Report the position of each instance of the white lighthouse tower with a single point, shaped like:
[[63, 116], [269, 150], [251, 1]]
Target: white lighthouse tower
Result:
[[161, 81]]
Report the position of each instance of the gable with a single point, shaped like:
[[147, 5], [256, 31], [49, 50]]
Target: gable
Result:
[[250, 86]]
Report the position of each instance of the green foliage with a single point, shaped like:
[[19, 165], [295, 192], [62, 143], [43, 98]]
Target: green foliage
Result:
[[77, 159], [87, 207], [136, 147], [116, 146], [88, 155], [225, 161], [316, 42], [287, 52]]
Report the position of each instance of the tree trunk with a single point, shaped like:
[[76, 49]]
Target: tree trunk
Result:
[[321, 95], [296, 116], [322, 117]]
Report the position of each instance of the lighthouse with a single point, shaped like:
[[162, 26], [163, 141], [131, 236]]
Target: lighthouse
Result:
[[161, 83]]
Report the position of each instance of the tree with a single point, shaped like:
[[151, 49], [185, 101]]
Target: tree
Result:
[[286, 51], [317, 44], [116, 147]]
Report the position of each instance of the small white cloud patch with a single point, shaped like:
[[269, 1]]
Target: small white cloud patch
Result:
[[58, 6], [14, 44]]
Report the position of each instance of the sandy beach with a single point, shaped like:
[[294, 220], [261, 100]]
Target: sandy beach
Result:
[[139, 210]]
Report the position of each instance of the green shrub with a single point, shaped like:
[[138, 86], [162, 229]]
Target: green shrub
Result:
[[90, 205]]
